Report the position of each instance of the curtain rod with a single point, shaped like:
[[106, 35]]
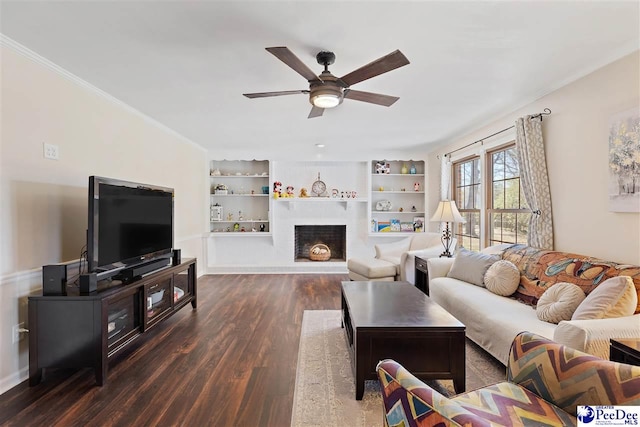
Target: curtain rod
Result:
[[545, 112]]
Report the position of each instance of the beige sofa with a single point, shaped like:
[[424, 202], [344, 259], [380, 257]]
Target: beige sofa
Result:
[[493, 321], [396, 260]]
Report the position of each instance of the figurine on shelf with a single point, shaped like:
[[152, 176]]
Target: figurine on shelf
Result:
[[215, 172], [416, 186], [229, 216], [289, 191], [413, 209], [277, 189], [240, 217], [303, 193], [236, 227], [262, 227]]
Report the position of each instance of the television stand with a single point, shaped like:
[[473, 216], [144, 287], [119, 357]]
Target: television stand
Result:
[[88, 330]]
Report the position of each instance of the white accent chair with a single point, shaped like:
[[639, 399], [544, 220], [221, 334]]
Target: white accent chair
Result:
[[396, 260]]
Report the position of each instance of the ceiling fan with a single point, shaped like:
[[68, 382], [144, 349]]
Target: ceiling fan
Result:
[[328, 91]]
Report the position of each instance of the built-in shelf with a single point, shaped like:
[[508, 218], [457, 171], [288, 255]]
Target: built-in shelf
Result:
[[397, 192], [239, 234], [397, 213], [246, 183], [397, 174], [392, 185], [240, 195]]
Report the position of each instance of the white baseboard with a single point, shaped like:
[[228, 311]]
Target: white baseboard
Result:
[[9, 382]]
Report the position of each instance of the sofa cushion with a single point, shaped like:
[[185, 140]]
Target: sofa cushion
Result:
[[539, 269], [502, 278], [470, 266], [559, 302], [512, 405], [491, 321], [615, 297]]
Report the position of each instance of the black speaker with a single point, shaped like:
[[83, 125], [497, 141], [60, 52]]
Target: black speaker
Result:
[[88, 283], [176, 257], [54, 279]]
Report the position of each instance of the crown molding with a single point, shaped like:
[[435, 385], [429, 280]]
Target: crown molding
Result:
[[35, 57]]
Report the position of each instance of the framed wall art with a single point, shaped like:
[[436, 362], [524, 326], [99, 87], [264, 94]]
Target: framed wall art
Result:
[[624, 161]]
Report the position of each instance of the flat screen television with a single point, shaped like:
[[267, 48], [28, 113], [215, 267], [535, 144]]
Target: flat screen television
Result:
[[129, 224]]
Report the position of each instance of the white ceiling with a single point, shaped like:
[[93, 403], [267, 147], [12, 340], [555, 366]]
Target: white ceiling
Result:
[[186, 64]]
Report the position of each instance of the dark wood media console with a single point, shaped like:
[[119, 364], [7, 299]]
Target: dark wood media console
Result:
[[77, 331]]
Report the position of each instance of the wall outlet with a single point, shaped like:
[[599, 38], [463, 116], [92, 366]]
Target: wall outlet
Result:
[[16, 333], [50, 151]]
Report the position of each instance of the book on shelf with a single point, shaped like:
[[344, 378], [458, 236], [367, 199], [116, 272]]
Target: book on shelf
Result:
[[418, 224], [384, 226], [406, 226], [395, 224]]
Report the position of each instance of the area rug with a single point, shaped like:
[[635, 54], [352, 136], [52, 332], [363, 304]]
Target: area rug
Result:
[[325, 389]]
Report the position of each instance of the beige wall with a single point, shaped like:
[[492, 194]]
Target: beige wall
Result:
[[43, 203], [576, 142]]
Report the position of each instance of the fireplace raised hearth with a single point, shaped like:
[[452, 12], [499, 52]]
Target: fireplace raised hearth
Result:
[[334, 236]]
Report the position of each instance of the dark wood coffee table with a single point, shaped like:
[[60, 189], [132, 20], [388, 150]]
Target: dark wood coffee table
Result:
[[625, 350], [394, 320]]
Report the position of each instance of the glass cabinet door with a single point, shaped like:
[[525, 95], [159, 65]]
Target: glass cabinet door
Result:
[[158, 300], [123, 319], [182, 285]]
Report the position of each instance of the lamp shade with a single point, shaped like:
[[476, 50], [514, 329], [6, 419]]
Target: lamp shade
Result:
[[447, 212]]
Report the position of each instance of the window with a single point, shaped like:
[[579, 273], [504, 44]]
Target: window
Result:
[[508, 211], [505, 212], [468, 196]]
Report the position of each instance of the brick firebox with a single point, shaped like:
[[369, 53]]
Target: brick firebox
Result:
[[334, 236]]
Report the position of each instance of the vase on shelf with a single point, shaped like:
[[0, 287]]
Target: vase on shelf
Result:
[[404, 169], [413, 170]]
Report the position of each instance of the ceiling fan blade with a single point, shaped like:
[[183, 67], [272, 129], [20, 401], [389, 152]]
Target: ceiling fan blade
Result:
[[281, 93], [380, 66], [315, 112], [286, 56], [373, 98]]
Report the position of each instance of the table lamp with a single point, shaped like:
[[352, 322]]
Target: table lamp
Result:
[[447, 212]]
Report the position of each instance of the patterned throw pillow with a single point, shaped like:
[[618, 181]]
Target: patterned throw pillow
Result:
[[502, 278], [615, 297], [559, 302]]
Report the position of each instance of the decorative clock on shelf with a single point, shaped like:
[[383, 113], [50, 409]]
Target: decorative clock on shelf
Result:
[[319, 188]]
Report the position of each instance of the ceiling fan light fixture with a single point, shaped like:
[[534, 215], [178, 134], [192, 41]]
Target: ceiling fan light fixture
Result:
[[326, 100], [325, 95]]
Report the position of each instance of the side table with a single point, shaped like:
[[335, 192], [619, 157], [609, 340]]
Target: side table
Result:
[[625, 350], [422, 275]]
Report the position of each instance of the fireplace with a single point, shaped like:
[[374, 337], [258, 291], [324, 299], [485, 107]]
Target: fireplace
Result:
[[334, 236]]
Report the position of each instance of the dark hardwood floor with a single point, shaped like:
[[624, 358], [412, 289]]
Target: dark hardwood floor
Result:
[[231, 362]]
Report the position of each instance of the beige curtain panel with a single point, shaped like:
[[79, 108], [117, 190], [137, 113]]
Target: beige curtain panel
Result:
[[535, 181]]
